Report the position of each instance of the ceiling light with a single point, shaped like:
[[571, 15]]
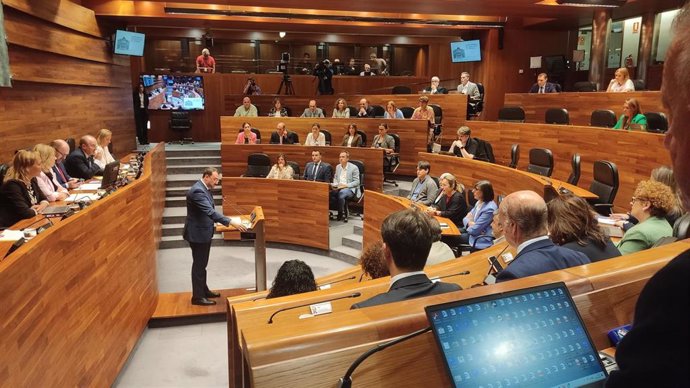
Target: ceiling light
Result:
[[281, 34], [592, 3]]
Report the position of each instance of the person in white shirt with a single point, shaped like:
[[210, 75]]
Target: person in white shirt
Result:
[[621, 82], [316, 137], [102, 156], [46, 180]]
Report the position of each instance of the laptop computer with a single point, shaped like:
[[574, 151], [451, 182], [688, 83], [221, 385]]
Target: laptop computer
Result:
[[532, 337]]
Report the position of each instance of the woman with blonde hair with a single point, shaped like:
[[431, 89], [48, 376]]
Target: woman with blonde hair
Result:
[[621, 82], [20, 196], [340, 109], [46, 180], [102, 155]]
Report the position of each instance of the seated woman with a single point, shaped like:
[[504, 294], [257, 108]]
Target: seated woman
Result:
[[293, 277], [47, 182], [464, 146], [392, 111], [281, 170], [277, 110], [246, 136], [621, 82], [373, 262], [631, 115], [650, 204], [573, 224], [316, 137], [352, 138], [20, 196], [477, 231], [340, 109], [450, 202], [102, 155], [425, 112]]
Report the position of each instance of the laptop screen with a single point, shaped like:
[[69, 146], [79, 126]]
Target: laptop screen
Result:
[[532, 337]]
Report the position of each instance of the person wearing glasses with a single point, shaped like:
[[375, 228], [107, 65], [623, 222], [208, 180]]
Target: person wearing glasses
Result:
[[61, 151], [477, 223], [649, 205]]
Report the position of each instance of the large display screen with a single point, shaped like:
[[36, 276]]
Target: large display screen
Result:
[[465, 51], [129, 43], [174, 92]]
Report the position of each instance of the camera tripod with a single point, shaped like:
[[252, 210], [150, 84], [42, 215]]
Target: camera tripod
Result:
[[287, 83]]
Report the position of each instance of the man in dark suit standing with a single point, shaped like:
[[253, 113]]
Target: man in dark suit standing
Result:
[[407, 237], [141, 114], [543, 86], [316, 170], [79, 163], [281, 136], [198, 232], [656, 351], [523, 217]]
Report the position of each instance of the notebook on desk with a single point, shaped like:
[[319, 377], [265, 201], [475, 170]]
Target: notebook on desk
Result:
[[532, 337], [54, 211]]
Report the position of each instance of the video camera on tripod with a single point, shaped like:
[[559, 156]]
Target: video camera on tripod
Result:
[[283, 68]]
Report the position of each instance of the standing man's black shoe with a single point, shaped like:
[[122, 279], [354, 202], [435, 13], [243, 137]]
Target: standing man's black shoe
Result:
[[211, 294], [203, 302]]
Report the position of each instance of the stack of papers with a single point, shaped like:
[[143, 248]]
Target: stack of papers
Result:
[[89, 187], [11, 235], [82, 197]]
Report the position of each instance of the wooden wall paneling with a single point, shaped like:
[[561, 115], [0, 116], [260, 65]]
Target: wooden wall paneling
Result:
[[581, 105], [412, 136], [64, 13], [635, 153], [73, 313], [296, 212], [377, 206]]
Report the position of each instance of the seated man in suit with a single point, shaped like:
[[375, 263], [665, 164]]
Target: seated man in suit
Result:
[[61, 151], [281, 136], [543, 86], [468, 88], [407, 237], [79, 163], [423, 187], [316, 170], [364, 109], [522, 216], [434, 88], [345, 184], [312, 110]]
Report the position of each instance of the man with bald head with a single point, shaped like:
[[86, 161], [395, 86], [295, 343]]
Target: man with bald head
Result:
[[522, 216], [61, 151], [79, 163], [656, 351], [281, 135]]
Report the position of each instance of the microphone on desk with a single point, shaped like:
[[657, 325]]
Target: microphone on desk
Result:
[[36, 222], [353, 295], [346, 381], [451, 275], [336, 281]]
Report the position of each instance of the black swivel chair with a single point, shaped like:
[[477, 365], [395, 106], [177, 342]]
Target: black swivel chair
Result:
[[407, 111], [379, 111], [391, 162], [575, 173], [400, 89], [180, 122], [438, 121], [294, 137], [3, 171], [258, 165], [327, 135], [514, 155], [639, 85], [364, 138], [485, 152], [511, 114], [605, 185], [604, 118], [353, 111], [475, 108], [557, 116], [71, 143], [356, 205], [540, 161], [295, 169], [656, 122], [585, 86], [681, 226]]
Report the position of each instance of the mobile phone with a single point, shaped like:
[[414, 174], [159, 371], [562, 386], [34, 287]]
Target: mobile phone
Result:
[[495, 265]]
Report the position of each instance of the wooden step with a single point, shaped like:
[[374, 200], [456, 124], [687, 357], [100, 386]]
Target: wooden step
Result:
[[177, 309]]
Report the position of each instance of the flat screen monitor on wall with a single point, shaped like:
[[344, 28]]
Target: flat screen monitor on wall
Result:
[[129, 43], [465, 51], [174, 92]]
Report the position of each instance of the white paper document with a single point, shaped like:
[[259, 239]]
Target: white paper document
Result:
[[89, 187], [11, 235], [81, 197]]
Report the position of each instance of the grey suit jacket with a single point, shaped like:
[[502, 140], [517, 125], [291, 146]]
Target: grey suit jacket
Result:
[[472, 91], [352, 177], [426, 192], [308, 113]]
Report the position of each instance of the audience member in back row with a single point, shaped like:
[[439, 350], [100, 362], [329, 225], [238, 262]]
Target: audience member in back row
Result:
[[632, 114], [543, 86], [345, 184], [46, 180], [434, 88], [316, 170], [372, 261], [440, 251], [80, 163], [61, 151], [649, 205], [352, 138], [102, 155], [20, 196], [340, 109], [464, 146], [468, 88], [278, 110], [621, 82], [312, 110], [316, 137], [573, 224], [407, 237], [523, 216], [477, 223], [423, 187], [246, 135], [247, 109], [293, 277], [449, 201], [392, 111], [281, 135], [281, 170]]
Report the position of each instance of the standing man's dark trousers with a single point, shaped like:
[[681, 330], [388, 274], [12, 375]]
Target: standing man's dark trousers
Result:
[[200, 252], [141, 118]]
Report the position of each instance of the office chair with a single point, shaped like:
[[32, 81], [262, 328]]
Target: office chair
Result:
[[180, 122], [605, 185], [258, 165], [540, 161], [604, 118], [511, 114], [574, 176], [557, 116]]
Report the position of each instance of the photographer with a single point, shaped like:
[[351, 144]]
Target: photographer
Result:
[[251, 88], [324, 73]]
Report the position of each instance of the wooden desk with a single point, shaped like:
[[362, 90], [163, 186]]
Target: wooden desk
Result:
[[581, 105], [413, 133], [295, 212], [635, 153], [76, 298], [234, 159]]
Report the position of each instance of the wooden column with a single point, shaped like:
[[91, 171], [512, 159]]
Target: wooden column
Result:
[[644, 58], [600, 30]]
